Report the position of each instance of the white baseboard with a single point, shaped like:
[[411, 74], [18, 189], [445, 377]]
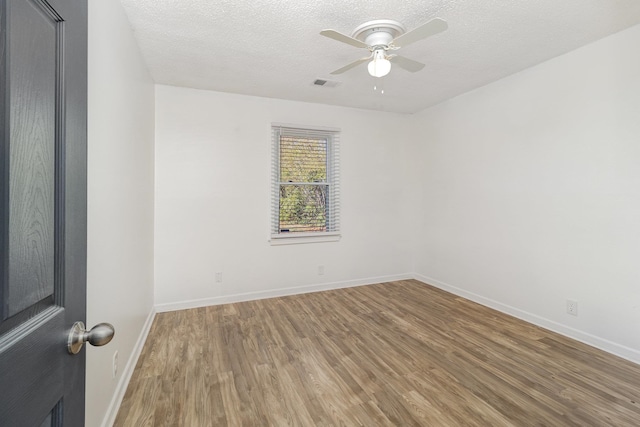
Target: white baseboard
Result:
[[121, 388], [249, 296], [592, 340]]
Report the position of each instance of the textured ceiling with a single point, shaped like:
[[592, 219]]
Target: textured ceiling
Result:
[[273, 48]]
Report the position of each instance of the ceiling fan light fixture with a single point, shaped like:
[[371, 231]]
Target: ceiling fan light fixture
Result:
[[380, 66]]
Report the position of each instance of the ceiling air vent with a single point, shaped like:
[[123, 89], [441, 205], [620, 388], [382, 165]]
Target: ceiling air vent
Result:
[[325, 83]]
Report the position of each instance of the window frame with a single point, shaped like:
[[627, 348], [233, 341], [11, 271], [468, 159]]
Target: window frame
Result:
[[333, 184]]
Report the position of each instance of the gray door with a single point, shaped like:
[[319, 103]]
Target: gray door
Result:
[[43, 78]]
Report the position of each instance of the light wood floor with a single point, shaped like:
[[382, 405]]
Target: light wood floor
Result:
[[400, 353]]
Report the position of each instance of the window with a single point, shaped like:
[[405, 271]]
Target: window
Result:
[[305, 185]]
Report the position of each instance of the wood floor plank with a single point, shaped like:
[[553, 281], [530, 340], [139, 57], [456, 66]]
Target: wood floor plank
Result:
[[400, 353]]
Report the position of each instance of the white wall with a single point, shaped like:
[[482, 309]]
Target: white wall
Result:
[[120, 200], [530, 193], [212, 199]]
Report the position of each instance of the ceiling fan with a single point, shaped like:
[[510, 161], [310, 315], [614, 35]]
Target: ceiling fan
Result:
[[380, 37]]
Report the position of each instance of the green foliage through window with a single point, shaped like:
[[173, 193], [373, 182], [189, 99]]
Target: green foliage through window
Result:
[[303, 184]]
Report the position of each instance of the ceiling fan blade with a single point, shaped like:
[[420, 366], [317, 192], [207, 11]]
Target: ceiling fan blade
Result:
[[406, 63], [432, 27], [352, 65], [333, 34]]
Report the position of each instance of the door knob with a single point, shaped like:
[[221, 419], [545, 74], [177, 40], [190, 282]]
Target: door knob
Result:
[[100, 334]]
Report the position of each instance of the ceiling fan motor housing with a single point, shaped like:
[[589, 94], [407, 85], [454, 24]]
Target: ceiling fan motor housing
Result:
[[380, 32]]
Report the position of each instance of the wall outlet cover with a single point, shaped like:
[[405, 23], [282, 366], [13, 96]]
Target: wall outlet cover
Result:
[[114, 369], [572, 307]]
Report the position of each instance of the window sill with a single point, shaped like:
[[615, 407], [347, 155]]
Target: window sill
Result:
[[303, 238]]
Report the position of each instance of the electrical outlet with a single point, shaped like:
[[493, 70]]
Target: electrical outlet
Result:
[[321, 270], [572, 307], [219, 277], [114, 368]]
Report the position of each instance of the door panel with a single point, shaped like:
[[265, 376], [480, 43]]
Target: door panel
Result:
[[34, 371], [32, 125], [42, 209]]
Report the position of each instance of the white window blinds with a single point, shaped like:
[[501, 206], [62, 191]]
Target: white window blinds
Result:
[[305, 182]]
